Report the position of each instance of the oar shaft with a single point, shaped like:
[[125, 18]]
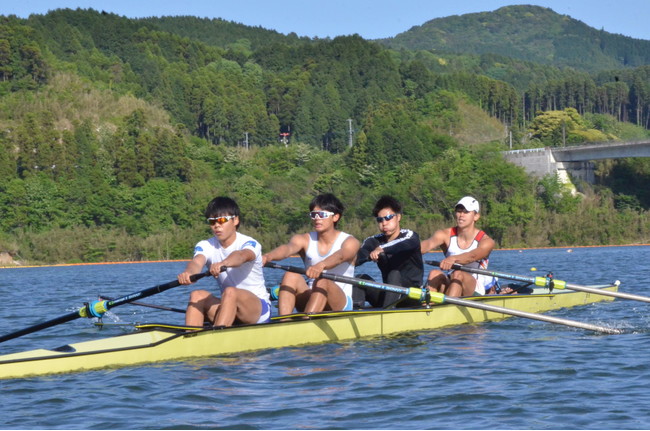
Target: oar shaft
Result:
[[144, 304], [441, 299], [38, 327], [621, 295], [99, 307], [522, 278], [151, 291], [544, 282], [535, 316], [411, 292]]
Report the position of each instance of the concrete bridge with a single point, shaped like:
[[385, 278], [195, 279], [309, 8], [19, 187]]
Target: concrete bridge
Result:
[[577, 160]]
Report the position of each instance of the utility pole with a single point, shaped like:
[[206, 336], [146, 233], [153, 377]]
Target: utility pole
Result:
[[523, 105], [246, 140], [350, 132]]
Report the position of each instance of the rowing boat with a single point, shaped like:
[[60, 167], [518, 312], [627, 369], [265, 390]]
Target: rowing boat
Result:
[[160, 343]]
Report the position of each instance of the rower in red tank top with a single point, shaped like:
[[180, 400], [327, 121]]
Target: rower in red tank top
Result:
[[464, 244]]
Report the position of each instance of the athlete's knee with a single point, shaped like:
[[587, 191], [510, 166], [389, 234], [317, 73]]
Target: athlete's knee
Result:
[[229, 293], [198, 295], [286, 289], [394, 277], [325, 286], [462, 276], [291, 278]]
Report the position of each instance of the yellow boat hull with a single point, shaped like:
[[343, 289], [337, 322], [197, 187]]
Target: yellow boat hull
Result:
[[157, 343]]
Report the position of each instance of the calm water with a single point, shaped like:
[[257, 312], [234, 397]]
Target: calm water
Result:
[[513, 374]]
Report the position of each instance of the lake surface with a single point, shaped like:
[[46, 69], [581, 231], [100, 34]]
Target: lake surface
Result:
[[512, 374]]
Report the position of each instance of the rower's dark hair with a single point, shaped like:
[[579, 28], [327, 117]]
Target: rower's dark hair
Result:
[[328, 202], [387, 202], [223, 206]]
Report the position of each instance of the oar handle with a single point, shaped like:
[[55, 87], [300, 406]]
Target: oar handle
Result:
[[411, 292], [290, 268]]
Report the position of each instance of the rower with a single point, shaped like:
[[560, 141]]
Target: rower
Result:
[[397, 253], [463, 244], [324, 249], [235, 260]]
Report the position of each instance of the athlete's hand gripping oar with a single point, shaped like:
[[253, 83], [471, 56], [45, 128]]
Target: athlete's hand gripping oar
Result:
[[411, 292], [547, 282], [439, 298], [98, 308]]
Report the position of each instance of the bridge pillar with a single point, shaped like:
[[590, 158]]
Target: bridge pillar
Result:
[[580, 170], [541, 162], [537, 161]]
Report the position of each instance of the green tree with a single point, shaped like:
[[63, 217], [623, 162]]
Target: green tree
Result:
[[558, 128], [555, 195]]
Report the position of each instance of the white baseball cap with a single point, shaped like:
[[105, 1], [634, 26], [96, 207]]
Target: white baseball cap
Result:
[[469, 203]]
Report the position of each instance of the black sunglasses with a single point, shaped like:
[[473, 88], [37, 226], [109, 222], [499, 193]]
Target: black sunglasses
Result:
[[386, 218]]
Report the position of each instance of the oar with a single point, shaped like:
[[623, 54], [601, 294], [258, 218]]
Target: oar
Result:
[[411, 292], [547, 282], [98, 308], [144, 304], [426, 296]]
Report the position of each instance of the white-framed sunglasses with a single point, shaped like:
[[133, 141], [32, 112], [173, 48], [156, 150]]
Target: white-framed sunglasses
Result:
[[320, 214], [220, 219]]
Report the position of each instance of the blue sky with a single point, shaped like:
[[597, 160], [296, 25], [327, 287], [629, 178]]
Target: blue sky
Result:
[[371, 19]]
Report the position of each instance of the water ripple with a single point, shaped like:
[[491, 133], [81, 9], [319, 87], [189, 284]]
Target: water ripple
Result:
[[512, 374]]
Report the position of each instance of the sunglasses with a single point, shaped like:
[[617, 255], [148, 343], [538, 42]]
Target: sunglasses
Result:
[[386, 218], [220, 219], [320, 214]]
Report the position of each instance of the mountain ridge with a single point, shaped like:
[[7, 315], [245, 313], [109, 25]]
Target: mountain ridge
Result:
[[526, 32], [522, 32]]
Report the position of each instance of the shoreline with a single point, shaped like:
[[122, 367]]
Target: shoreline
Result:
[[569, 248]]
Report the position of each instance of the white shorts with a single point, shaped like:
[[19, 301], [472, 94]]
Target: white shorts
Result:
[[484, 283], [348, 296]]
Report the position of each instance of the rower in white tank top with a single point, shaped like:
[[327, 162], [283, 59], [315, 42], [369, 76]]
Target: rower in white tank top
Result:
[[312, 257], [483, 282]]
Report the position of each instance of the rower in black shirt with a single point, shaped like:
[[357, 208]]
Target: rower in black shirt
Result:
[[397, 254]]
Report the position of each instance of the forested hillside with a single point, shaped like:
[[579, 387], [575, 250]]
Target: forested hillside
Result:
[[238, 38], [530, 33], [115, 133]]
